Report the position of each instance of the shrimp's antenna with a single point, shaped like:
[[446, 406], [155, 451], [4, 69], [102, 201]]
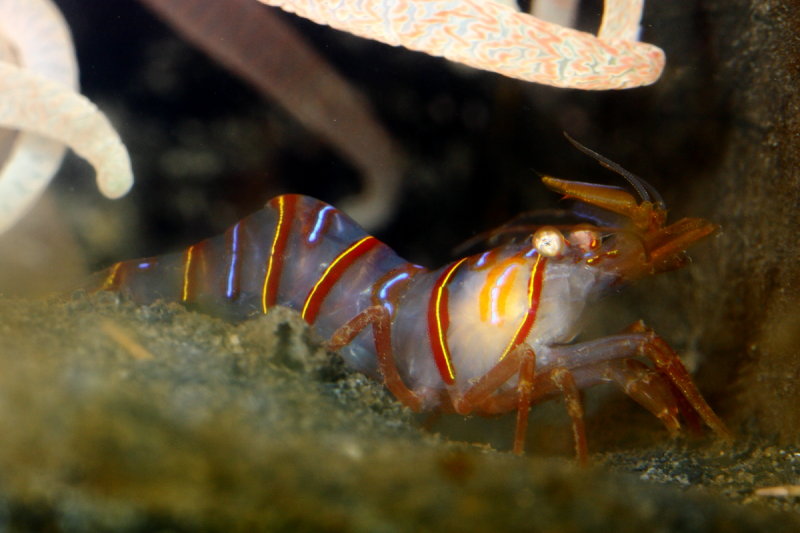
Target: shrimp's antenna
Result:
[[643, 189]]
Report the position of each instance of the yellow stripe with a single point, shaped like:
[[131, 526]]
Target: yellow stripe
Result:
[[187, 266], [441, 335], [531, 284], [111, 279], [278, 230], [327, 272]]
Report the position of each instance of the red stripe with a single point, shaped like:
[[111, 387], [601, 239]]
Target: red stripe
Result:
[[534, 295], [332, 274], [439, 321]]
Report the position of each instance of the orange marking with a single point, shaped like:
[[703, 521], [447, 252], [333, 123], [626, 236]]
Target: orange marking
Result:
[[438, 322], [269, 292], [332, 274], [534, 293], [494, 293], [507, 283]]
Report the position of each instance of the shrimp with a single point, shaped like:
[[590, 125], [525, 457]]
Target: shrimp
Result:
[[486, 334]]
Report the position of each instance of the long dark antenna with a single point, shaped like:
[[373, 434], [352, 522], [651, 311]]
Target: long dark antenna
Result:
[[643, 189]]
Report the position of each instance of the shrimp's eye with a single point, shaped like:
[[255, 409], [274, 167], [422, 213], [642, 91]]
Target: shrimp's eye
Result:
[[585, 239], [549, 242]]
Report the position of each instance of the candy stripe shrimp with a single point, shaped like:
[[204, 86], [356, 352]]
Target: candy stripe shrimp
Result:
[[487, 334]]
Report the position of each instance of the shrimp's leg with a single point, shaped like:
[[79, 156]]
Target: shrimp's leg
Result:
[[648, 388], [641, 383], [487, 384], [522, 361], [379, 318], [640, 341], [669, 363], [565, 382], [524, 395], [484, 393]]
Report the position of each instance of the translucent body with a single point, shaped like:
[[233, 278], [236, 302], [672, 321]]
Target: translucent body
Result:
[[227, 278], [488, 333]]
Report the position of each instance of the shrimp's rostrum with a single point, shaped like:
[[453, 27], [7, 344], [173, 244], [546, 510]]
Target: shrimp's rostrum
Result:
[[486, 334]]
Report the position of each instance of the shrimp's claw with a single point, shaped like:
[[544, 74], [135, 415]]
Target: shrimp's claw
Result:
[[665, 246], [645, 216], [647, 245]]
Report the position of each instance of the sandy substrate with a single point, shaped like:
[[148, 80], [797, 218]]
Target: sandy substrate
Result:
[[130, 418]]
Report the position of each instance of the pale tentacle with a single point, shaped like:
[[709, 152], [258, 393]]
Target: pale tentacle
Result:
[[620, 17], [39, 68], [491, 36], [32, 103], [561, 12], [40, 38], [37, 36], [621, 20]]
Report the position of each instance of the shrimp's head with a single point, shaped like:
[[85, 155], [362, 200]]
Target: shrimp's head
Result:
[[638, 242]]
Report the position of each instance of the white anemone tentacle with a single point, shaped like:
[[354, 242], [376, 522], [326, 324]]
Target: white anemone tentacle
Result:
[[494, 36], [35, 104], [39, 99]]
